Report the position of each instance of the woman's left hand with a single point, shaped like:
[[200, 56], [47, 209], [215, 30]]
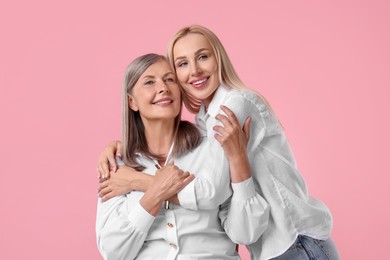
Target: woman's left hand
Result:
[[231, 136], [119, 183]]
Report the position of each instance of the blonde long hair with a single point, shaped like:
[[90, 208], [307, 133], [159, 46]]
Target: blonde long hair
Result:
[[226, 72], [134, 141]]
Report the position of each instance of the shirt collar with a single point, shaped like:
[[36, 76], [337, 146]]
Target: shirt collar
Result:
[[218, 98]]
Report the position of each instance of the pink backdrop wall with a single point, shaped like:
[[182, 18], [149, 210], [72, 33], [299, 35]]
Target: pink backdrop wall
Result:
[[323, 65]]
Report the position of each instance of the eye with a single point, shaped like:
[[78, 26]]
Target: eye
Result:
[[202, 57], [149, 82], [169, 80], [181, 64]]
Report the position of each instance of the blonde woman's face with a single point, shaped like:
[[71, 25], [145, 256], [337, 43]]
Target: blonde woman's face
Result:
[[196, 67], [156, 95]]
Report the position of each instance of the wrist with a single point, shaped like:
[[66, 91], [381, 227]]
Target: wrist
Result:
[[151, 202], [239, 159], [140, 181], [240, 169]]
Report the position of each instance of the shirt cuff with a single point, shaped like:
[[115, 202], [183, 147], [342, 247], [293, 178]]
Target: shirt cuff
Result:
[[141, 219], [243, 190], [187, 197]]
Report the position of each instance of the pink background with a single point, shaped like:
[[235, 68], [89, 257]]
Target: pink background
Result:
[[323, 65]]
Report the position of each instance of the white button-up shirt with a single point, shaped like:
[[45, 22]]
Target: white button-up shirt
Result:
[[273, 167], [198, 229]]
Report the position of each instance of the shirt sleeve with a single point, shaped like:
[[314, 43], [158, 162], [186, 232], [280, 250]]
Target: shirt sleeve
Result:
[[211, 189], [211, 186], [245, 215], [121, 230]]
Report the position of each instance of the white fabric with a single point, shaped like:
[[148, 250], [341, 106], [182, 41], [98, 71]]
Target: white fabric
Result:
[[275, 174], [126, 231]]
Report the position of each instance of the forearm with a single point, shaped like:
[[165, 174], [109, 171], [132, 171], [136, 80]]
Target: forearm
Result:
[[151, 202], [140, 181], [239, 168], [136, 181]]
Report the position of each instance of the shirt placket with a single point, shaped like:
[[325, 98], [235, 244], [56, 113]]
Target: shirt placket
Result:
[[172, 238]]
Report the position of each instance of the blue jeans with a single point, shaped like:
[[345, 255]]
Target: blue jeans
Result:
[[311, 249]]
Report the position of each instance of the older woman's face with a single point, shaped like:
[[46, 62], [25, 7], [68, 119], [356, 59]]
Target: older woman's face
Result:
[[196, 67], [156, 95]]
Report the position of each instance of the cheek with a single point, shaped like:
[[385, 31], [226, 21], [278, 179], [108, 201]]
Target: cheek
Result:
[[186, 88], [181, 76]]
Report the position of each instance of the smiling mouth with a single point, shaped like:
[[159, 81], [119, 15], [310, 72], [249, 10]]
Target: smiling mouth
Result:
[[163, 102], [199, 83]]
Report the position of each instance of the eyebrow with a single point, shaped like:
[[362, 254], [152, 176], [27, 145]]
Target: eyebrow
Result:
[[148, 76], [196, 53], [152, 76]]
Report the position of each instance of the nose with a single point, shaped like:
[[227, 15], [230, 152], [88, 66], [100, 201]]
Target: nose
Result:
[[195, 69], [162, 88]]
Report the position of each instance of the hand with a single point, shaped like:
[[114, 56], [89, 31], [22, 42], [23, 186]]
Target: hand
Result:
[[119, 183], [234, 141], [107, 160], [231, 136], [169, 180]]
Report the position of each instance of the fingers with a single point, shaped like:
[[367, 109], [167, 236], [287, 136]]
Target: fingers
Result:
[[107, 159], [99, 173], [108, 196], [232, 117], [224, 120], [104, 192], [118, 148], [219, 139], [102, 185], [105, 169], [183, 180], [188, 179], [112, 162], [220, 130], [247, 127]]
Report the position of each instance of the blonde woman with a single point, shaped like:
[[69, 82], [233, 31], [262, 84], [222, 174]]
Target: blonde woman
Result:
[[141, 224], [299, 225]]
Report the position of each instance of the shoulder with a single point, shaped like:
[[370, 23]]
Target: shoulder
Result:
[[245, 101]]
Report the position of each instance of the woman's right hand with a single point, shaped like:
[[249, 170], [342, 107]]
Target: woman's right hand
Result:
[[107, 161], [167, 182], [123, 181], [234, 141]]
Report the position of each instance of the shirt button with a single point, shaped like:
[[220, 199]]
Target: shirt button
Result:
[[173, 246], [170, 225]]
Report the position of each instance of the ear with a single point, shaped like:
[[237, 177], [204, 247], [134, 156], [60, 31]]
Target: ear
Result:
[[132, 104]]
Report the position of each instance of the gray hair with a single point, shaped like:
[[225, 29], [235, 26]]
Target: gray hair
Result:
[[134, 140]]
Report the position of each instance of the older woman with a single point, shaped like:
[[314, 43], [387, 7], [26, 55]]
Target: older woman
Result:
[[137, 224]]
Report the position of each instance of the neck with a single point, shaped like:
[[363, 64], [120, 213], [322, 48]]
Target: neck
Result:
[[159, 135]]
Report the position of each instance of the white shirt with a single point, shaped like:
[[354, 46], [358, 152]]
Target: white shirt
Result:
[[276, 178], [126, 231]]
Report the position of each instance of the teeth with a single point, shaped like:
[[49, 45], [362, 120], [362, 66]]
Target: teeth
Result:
[[164, 102], [199, 81]]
